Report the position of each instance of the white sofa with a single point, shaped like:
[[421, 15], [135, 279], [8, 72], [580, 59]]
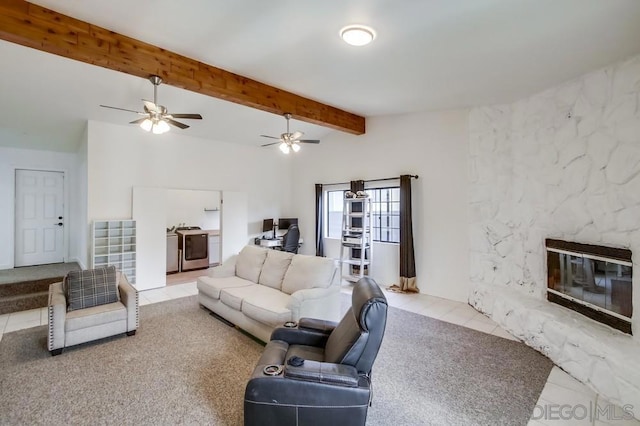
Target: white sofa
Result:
[[260, 289]]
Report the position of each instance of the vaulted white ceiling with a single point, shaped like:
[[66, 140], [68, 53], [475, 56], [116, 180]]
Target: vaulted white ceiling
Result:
[[428, 55]]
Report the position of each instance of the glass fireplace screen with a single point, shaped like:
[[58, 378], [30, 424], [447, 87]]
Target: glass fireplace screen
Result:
[[591, 280]]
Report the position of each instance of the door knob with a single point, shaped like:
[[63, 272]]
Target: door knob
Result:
[[59, 224]]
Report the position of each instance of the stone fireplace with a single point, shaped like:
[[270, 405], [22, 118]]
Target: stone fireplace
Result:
[[562, 164], [592, 280]]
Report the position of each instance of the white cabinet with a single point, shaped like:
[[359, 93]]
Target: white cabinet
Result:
[[355, 244], [214, 249], [114, 243]]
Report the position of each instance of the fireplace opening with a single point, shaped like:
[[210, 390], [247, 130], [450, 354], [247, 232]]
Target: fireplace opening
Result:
[[592, 280]]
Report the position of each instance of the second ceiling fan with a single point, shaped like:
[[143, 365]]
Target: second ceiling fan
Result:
[[289, 141], [156, 117]]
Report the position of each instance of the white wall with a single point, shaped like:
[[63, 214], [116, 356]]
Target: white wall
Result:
[[193, 208], [149, 210], [432, 145], [79, 243], [121, 157], [12, 159]]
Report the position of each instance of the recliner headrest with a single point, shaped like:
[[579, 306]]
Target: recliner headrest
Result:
[[366, 293]]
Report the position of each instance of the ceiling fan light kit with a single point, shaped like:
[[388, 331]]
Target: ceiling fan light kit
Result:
[[157, 127], [289, 141], [156, 117]]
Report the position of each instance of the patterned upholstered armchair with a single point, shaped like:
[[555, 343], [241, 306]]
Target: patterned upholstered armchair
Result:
[[90, 305]]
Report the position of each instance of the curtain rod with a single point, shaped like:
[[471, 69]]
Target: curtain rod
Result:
[[371, 180]]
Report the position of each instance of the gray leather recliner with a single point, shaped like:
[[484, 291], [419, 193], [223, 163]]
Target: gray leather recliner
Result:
[[319, 372]]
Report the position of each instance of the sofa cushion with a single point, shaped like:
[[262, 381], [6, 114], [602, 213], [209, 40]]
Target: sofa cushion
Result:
[[249, 262], [232, 297], [274, 268], [92, 287], [308, 272], [212, 286], [261, 303], [96, 315], [268, 306]]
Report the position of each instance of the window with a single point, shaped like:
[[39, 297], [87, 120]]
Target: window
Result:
[[334, 213], [385, 213]]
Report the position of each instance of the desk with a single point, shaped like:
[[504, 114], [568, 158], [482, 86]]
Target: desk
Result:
[[271, 243], [274, 242]]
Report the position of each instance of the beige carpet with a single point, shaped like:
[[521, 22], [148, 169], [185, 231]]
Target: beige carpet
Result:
[[182, 366], [186, 367]]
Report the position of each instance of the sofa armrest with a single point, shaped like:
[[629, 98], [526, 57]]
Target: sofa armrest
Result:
[[321, 303], [226, 269], [57, 307], [324, 372], [129, 298]]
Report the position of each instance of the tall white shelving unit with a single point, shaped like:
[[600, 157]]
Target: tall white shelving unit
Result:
[[357, 232], [114, 243]]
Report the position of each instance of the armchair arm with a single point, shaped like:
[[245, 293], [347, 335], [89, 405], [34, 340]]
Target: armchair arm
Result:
[[315, 390], [129, 298], [315, 324], [298, 336], [324, 372], [57, 307], [322, 303], [226, 269]]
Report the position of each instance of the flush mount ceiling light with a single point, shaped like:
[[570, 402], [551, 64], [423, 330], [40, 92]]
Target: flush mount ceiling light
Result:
[[357, 35]]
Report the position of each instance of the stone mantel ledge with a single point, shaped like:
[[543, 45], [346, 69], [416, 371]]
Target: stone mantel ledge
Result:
[[606, 360]]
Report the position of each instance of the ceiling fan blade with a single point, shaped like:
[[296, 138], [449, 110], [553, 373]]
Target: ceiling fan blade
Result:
[[296, 135], [150, 106], [189, 116], [138, 121], [176, 123], [269, 144], [270, 137], [309, 141], [122, 109]]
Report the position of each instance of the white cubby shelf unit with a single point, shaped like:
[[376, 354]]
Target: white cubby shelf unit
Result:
[[114, 243]]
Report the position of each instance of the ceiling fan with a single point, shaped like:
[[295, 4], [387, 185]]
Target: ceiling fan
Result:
[[156, 117], [289, 141]]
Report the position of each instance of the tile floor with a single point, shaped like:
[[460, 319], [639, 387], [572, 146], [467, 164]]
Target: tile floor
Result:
[[563, 401]]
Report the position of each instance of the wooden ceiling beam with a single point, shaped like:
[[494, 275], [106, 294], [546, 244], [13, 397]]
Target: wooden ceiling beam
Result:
[[34, 26]]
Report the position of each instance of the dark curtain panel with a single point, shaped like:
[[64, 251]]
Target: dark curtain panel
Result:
[[407, 258], [357, 185], [319, 221]]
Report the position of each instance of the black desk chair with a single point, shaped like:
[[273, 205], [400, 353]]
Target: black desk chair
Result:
[[291, 240]]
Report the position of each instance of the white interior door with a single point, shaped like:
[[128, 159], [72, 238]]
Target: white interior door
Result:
[[233, 223], [39, 222]]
